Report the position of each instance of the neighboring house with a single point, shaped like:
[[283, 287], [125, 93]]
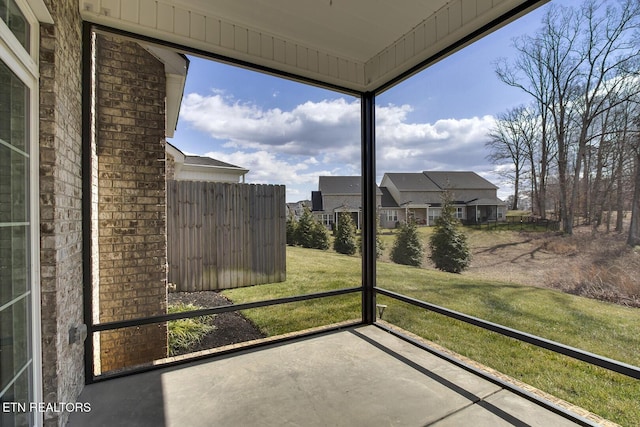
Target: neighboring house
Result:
[[418, 196], [296, 209], [337, 194], [198, 168], [410, 196]]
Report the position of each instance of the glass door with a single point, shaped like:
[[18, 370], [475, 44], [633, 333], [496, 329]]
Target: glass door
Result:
[[19, 288], [15, 282]]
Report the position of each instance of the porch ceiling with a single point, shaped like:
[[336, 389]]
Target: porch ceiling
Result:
[[355, 45]]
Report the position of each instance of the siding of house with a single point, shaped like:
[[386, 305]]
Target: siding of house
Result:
[[331, 202], [132, 240], [61, 205], [467, 195], [209, 176], [343, 202]]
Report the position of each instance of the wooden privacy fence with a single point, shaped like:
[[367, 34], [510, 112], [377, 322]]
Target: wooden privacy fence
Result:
[[225, 235]]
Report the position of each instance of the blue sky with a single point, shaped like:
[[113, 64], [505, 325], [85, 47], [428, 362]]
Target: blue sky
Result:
[[289, 133]]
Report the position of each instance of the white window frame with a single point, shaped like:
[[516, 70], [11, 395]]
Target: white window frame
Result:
[[392, 215], [434, 213], [325, 219], [24, 64]]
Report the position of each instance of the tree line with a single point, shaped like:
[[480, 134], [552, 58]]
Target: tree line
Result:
[[575, 148]]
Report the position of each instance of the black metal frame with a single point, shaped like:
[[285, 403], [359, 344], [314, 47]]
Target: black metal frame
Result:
[[87, 271], [106, 326], [368, 288], [493, 379], [369, 207], [584, 356], [88, 30]]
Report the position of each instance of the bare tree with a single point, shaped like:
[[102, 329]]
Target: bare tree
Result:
[[613, 163], [509, 140], [608, 54], [529, 73], [634, 229], [576, 67]]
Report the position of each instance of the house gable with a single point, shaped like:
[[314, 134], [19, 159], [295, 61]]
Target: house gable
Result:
[[465, 186], [344, 185], [341, 193], [411, 188], [182, 167], [459, 179]]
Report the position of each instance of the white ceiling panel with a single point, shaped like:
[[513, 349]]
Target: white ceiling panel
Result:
[[357, 45]]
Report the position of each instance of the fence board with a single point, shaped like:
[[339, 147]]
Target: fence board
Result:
[[225, 235]]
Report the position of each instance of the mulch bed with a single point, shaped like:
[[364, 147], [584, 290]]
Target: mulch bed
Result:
[[230, 328]]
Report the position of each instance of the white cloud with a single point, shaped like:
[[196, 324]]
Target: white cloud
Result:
[[309, 129], [451, 144], [268, 168], [323, 138]]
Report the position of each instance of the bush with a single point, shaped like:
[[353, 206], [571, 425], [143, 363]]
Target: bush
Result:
[[319, 236], [345, 240], [407, 248], [184, 334], [449, 248], [303, 234], [291, 230], [309, 233]]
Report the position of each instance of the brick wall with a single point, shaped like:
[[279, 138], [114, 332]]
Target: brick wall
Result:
[[170, 167], [131, 200], [61, 205]]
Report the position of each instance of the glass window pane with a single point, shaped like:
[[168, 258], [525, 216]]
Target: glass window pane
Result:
[[16, 21], [18, 397], [15, 352], [13, 109], [14, 184], [14, 262], [14, 340]]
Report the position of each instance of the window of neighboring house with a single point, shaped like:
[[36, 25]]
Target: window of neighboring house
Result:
[[326, 219], [434, 213], [459, 213], [500, 212], [392, 215], [19, 257]]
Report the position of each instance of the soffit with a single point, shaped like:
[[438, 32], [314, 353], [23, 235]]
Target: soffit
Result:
[[356, 45]]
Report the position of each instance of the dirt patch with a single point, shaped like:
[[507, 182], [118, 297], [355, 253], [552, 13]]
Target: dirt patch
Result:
[[599, 266], [230, 328]]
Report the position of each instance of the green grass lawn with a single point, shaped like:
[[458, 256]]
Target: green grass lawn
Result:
[[606, 329]]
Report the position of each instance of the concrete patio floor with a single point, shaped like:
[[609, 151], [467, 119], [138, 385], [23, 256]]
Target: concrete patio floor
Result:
[[360, 376]]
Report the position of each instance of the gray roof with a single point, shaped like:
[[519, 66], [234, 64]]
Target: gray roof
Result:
[[411, 182], [387, 200], [460, 180], [341, 185], [207, 161], [486, 201]]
